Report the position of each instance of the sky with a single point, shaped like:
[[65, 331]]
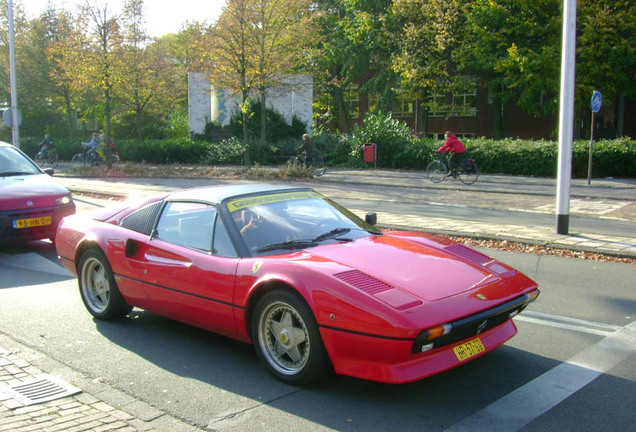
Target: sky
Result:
[[162, 16]]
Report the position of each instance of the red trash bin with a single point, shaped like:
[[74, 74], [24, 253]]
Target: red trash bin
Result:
[[369, 152]]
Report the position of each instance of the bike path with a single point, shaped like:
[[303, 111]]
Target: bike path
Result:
[[399, 216]]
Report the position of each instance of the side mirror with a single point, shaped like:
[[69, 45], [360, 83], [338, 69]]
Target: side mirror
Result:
[[49, 171], [371, 218]]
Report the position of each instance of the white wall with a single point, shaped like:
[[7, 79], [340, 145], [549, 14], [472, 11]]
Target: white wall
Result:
[[294, 96]]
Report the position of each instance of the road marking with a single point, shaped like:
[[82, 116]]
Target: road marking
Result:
[[32, 261], [522, 406], [447, 204], [567, 323]]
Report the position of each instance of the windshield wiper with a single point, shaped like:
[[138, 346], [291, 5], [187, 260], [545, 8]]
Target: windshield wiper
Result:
[[332, 234], [14, 173], [292, 244]]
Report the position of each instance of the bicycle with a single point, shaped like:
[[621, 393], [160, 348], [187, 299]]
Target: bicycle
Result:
[[91, 157], [465, 170], [49, 156], [317, 163]]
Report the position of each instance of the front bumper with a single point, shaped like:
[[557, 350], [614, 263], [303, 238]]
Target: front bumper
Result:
[[391, 361]]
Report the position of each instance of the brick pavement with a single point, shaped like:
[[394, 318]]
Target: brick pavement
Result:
[[81, 412]]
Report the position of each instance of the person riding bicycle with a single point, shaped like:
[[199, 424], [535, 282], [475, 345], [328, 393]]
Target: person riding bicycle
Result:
[[453, 146], [46, 145], [92, 146], [308, 147]]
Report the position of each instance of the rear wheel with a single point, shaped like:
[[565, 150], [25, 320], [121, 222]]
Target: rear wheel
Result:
[[53, 160], [318, 165], [468, 173], [78, 160], [436, 171], [98, 287], [287, 340]]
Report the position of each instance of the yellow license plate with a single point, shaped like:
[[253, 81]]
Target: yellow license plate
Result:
[[32, 222], [468, 349]]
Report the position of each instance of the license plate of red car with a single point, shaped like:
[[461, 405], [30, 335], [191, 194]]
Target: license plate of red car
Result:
[[32, 222], [468, 349]]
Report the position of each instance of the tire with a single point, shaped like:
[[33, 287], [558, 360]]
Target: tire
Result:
[[436, 171], [38, 159], [287, 340], [53, 160], [78, 160], [318, 165], [98, 287], [114, 159], [468, 173]]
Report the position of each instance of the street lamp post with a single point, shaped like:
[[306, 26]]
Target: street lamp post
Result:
[[15, 135]]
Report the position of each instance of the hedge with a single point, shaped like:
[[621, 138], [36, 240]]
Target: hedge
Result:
[[396, 150]]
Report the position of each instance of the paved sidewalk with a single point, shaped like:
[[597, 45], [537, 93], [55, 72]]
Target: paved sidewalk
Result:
[[81, 412]]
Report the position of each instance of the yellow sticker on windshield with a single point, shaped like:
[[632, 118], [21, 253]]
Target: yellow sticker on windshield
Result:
[[242, 203]]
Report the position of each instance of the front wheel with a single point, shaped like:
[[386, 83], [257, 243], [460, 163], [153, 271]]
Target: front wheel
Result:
[[436, 171], [39, 159], [98, 287], [468, 173], [287, 340]]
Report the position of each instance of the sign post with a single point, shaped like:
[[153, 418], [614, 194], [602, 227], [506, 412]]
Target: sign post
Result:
[[596, 102]]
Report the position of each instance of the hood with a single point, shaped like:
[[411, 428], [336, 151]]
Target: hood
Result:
[[40, 189], [427, 272]]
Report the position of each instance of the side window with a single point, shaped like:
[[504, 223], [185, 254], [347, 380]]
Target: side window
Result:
[[187, 224], [195, 226], [222, 244]]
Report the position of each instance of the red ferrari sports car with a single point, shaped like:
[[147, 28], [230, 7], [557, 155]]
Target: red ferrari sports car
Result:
[[312, 286]]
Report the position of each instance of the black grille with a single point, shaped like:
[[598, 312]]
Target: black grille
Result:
[[475, 324], [143, 219]]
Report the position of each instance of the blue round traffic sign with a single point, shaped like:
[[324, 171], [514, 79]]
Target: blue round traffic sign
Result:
[[597, 100]]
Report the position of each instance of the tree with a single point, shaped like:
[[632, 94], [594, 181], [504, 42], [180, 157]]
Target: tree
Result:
[[54, 44], [606, 55], [512, 47], [429, 32], [352, 48], [232, 56], [281, 30], [103, 64]]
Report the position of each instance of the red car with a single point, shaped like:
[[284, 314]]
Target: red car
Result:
[[32, 203], [311, 285]]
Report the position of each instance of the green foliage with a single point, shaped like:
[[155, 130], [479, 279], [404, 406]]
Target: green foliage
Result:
[[226, 152], [177, 125], [388, 133], [170, 151], [277, 127]]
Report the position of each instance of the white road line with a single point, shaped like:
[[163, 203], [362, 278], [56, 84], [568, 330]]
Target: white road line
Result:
[[522, 406], [567, 323], [447, 205]]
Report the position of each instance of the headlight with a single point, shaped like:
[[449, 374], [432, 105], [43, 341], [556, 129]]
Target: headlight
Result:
[[66, 199]]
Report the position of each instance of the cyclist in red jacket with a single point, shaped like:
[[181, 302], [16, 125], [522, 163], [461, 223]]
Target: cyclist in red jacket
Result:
[[453, 146]]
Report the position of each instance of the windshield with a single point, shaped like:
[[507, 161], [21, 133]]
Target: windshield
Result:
[[294, 220], [13, 162]]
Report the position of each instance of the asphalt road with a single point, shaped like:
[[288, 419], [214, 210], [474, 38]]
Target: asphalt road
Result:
[[572, 366]]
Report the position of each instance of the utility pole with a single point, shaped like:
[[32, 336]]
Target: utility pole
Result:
[[566, 117], [15, 134]]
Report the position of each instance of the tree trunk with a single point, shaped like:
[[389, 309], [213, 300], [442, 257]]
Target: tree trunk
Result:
[[263, 119]]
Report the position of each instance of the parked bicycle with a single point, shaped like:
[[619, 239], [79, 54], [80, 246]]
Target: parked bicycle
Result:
[[317, 163], [47, 156], [464, 169]]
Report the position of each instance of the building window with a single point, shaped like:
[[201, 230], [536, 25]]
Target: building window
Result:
[[404, 105], [437, 105], [352, 101]]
